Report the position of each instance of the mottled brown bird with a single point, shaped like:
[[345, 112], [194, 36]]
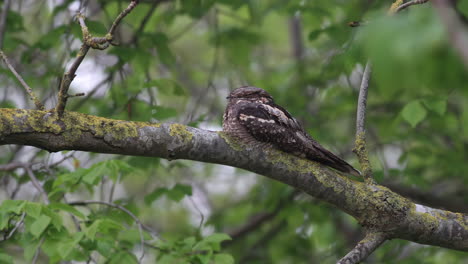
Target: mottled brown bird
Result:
[[252, 116]]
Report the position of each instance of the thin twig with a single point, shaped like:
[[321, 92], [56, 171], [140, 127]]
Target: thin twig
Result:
[[3, 17], [202, 217], [17, 225], [364, 248], [362, 100], [119, 18], [23, 83], [64, 158], [140, 225], [89, 41], [12, 166], [36, 254], [36, 184], [111, 195], [410, 3]]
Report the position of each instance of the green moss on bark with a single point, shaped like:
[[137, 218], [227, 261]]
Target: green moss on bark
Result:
[[181, 132]]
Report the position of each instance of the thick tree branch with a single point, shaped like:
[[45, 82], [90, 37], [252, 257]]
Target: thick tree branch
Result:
[[375, 207], [364, 248]]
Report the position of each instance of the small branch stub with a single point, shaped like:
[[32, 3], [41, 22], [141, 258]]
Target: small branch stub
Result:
[[360, 148], [364, 248]]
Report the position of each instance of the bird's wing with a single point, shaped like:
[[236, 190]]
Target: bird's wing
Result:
[[268, 123], [273, 124]]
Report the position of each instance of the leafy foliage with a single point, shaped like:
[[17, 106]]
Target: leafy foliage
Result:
[[176, 61]]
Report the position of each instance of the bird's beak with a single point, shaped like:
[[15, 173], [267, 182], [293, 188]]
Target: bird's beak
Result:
[[229, 97]]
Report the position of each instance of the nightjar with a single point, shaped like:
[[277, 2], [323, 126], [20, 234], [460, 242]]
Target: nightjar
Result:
[[253, 116]]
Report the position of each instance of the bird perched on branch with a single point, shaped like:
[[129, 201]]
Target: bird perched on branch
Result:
[[253, 116]]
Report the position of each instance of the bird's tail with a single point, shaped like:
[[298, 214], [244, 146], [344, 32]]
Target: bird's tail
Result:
[[320, 154]]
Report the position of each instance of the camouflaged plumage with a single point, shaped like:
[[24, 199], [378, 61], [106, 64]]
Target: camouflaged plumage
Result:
[[252, 116]]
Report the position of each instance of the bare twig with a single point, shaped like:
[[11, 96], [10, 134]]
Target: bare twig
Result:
[[202, 217], [3, 16], [119, 18], [457, 31], [360, 143], [89, 41], [23, 83], [36, 184], [111, 195], [36, 254], [12, 166], [410, 3], [394, 6], [364, 248], [17, 225], [140, 225]]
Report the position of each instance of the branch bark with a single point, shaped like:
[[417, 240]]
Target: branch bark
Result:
[[363, 249], [375, 207], [360, 147]]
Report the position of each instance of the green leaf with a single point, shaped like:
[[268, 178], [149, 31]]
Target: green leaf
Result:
[[67, 208], [169, 259], [217, 238], [69, 179], [414, 113], [164, 112], [154, 195], [124, 53], [161, 42], [5, 259], [33, 209], [438, 105], [95, 173], [13, 206], [30, 249], [102, 226], [212, 242], [96, 27], [51, 38], [167, 86], [105, 247], [38, 226], [462, 6], [179, 191], [223, 259], [14, 20], [123, 257], [66, 247]]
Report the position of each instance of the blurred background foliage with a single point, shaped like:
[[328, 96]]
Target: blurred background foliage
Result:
[[176, 60]]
